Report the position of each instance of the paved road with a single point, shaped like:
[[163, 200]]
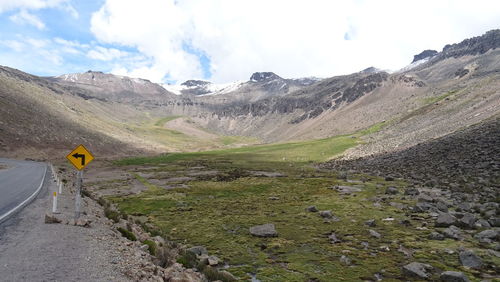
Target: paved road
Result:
[[19, 182]]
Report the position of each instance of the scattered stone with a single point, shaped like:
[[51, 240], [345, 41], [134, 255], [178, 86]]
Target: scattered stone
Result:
[[144, 247], [417, 270], [469, 259], [374, 233], [82, 222], [312, 209], [482, 223], [365, 245], [407, 252], [50, 219], [453, 276], [333, 238], [371, 222], [445, 220], [213, 260], [452, 232], [425, 198], [436, 236], [391, 190], [198, 250], [494, 221], [347, 190], [464, 207], [326, 214], [424, 207], [265, 230], [488, 236], [441, 206], [345, 260], [412, 192], [467, 221]]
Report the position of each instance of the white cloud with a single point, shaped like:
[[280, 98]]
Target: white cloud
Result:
[[8, 5], [291, 38], [106, 54], [25, 17]]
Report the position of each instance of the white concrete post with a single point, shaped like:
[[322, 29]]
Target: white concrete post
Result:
[[78, 196], [54, 203], [60, 188]]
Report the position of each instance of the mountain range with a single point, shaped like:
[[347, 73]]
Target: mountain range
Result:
[[438, 93]]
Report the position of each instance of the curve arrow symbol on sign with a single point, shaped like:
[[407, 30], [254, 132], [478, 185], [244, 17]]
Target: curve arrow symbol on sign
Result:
[[77, 156]]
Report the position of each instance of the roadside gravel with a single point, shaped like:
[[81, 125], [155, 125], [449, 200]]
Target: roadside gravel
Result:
[[31, 250]]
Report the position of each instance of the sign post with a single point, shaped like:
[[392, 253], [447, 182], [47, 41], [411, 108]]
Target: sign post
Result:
[[80, 157]]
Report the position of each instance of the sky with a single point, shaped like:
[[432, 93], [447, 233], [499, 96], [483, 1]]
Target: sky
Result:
[[170, 41]]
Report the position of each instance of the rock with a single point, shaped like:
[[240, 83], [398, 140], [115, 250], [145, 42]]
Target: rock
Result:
[[333, 238], [453, 276], [374, 233], [326, 214], [228, 275], [274, 198], [494, 221], [445, 220], [488, 236], [50, 219], [346, 190], [144, 248], [482, 223], [391, 190], [424, 207], [441, 206], [417, 270], [159, 240], [464, 207], [425, 198], [453, 232], [198, 250], [412, 192], [82, 222], [311, 209], [469, 259], [265, 230], [371, 222], [345, 260], [436, 236], [389, 178], [467, 221], [213, 260]]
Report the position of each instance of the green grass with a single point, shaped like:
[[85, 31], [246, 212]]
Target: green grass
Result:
[[164, 120], [294, 153], [432, 100]]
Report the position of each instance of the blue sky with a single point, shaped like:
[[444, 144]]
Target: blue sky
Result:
[[227, 40]]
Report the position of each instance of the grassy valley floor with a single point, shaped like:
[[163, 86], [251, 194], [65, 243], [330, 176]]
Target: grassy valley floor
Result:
[[212, 199]]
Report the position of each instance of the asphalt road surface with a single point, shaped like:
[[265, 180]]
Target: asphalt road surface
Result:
[[20, 181]]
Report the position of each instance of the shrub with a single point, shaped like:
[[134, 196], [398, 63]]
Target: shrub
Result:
[[127, 234], [187, 259], [166, 256], [151, 246], [112, 214]]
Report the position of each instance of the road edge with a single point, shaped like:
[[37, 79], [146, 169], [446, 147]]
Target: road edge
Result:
[[17, 208]]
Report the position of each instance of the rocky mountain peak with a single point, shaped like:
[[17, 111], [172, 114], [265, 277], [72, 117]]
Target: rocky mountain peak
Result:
[[424, 55], [370, 70], [195, 83], [264, 76], [473, 46]]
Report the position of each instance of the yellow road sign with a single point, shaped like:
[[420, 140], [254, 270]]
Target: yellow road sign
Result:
[[80, 157]]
